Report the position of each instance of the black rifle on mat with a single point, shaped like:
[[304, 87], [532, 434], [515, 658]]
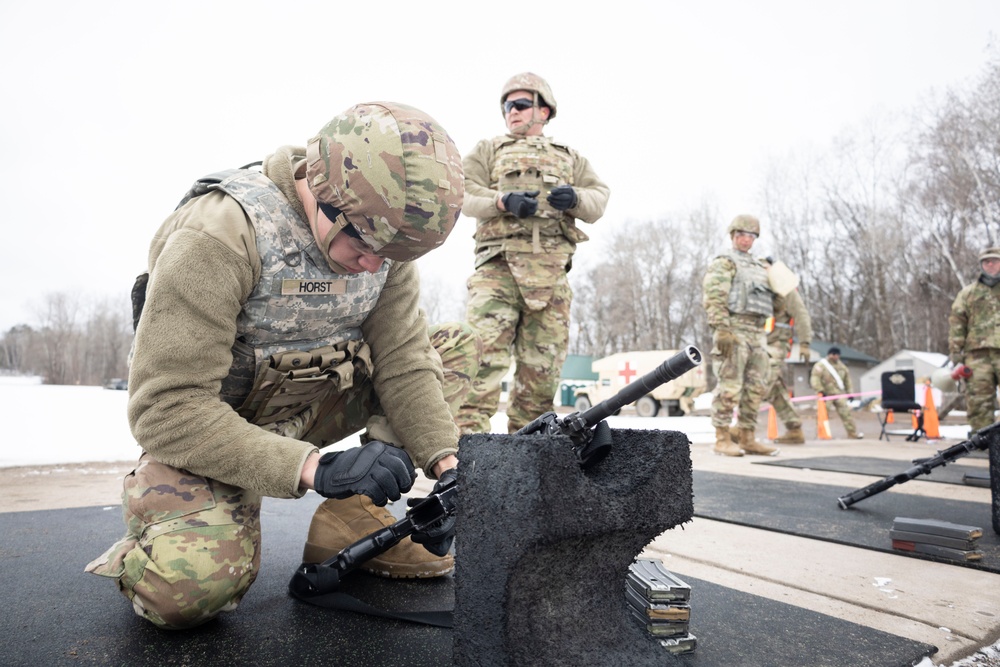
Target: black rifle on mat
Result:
[[591, 437], [979, 442]]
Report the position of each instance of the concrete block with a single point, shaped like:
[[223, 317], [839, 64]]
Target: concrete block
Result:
[[543, 547]]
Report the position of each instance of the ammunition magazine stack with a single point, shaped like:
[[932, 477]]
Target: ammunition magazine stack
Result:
[[660, 601], [936, 538]]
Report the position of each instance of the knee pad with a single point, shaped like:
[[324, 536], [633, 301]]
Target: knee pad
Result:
[[187, 576]]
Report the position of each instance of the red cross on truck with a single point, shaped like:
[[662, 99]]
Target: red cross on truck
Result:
[[674, 398]]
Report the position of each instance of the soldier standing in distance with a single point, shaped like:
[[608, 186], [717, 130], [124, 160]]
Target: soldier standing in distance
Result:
[[526, 192], [789, 311], [281, 315], [830, 377], [738, 300], [974, 339]]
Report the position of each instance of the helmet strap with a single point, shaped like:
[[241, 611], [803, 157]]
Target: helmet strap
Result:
[[536, 98], [339, 222]]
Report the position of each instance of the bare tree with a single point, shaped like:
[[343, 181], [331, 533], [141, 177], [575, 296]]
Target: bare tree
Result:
[[646, 294], [15, 348], [58, 350]]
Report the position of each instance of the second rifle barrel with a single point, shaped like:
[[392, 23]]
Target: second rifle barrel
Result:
[[671, 369]]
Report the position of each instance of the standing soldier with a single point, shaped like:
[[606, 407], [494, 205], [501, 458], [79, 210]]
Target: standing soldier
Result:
[[526, 192], [738, 300], [830, 377], [789, 311], [974, 339]]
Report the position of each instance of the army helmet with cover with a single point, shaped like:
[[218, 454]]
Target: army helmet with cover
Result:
[[392, 173], [534, 84], [989, 253], [744, 223]]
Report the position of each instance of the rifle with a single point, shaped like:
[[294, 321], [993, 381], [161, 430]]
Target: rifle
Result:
[[589, 432], [979, 442], [311, 581]]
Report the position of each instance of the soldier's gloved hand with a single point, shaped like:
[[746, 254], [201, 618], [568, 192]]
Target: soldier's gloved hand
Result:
[[804, 352], [562, 197], [438, 538], [724, 341], [521, 204], [380, 471]]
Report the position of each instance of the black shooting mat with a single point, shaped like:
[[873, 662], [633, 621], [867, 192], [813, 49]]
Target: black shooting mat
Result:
[[951, 473], [811, 510], [55, 614]]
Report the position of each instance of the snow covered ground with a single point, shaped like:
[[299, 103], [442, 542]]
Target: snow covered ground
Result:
[[56, 424]]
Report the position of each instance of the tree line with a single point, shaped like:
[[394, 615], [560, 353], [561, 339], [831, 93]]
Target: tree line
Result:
[[71, 341], [883, 225]]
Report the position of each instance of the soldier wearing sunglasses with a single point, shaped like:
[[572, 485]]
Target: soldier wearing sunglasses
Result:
[[526, 192]]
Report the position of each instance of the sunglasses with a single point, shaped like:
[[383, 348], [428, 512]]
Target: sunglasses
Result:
[[519, 104]]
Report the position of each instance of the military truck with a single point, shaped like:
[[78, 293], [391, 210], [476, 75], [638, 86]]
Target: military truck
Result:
[[675, 398]]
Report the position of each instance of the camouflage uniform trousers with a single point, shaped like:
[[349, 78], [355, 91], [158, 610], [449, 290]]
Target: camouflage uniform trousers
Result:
[[518, 303], [981, 388], [743, 378], [778, 396], [841, 406], [192, 544]]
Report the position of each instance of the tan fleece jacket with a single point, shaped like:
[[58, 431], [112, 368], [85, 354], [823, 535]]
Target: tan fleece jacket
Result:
[[203, 265]]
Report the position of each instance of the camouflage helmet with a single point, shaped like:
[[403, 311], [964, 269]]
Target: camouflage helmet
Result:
[[990, 252], [744, 223], [393, 172], [532, 83]]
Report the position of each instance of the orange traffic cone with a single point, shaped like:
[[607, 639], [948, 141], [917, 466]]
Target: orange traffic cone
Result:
[[931, 425], [772, 423], [822, 421], [890, 418]]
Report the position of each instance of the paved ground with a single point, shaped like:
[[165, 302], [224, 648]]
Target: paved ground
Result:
[[954, 608]]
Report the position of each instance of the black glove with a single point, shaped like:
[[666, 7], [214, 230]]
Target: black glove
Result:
[[521, 204], [438, 538], [562, 197], [380, 471]]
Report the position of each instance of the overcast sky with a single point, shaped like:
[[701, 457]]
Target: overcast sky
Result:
[[112, 109]]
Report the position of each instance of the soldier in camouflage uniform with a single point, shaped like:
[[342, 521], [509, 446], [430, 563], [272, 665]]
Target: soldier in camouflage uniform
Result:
[[789, 311], [280, 317], [526, 192], [830, 377], [974, 339], [738, 300]]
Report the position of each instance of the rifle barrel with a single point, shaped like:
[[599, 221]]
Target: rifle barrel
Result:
[[671, 369], [980, 441]]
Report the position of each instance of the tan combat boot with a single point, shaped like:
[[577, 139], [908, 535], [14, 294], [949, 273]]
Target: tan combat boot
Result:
[[724, 445], [734, 434], [339, 523], [750, 445], [793, 436]]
